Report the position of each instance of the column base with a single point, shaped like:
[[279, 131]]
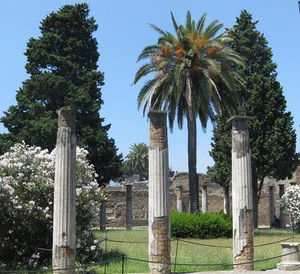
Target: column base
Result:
[[288, 266]]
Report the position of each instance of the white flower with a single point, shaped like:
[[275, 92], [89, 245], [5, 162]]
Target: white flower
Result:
[[93, 247]]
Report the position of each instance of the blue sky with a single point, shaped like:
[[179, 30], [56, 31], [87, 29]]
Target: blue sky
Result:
[[122, 34]]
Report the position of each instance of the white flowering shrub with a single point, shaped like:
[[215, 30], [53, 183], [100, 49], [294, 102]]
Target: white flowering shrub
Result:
[[291, 200], [26, 211]]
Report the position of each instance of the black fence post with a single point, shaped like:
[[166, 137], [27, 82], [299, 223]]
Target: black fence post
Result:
[[176, 252], [123, 263], [105, 254]]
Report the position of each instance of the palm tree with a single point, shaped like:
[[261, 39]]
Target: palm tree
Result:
[[137, 159], [196, 75]]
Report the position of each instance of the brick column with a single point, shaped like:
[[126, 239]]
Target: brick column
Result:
[[242, 203], [159, 220], [179, 201], [128, 206], [204, 199], [64, 217], [282, 216], [103, 214]]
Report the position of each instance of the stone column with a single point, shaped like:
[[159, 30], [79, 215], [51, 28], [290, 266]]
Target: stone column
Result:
[[128, 206], [242, 203], [290, 260], [159, 220], [226, 200], [204, 198], [103, 214], [271, 206], [282, 216], [179, 201], [64, 216]]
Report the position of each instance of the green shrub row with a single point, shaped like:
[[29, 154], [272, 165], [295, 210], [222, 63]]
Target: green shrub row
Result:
[[203, 226]]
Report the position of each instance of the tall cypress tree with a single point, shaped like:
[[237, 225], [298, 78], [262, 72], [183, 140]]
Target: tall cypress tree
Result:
[[62, 64], [272, 137], [220, 173]]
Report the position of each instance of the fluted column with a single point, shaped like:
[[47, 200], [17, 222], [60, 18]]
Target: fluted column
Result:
[[159, 221], [128, 206], [282, 209], [103, 214], [226, 200], [242, 203], [64, 218], [271, 205], [204, 201], [179, 201]]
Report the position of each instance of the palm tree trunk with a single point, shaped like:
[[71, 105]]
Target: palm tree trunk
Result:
[[192, 148]]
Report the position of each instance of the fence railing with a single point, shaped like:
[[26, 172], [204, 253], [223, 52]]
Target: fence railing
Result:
[[124, 258]]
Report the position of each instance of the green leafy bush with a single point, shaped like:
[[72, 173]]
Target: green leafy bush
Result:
[[203, 226]]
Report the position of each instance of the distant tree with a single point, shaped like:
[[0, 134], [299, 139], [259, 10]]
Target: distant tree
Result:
[[136, 163], [137, 160], [272, 137], [62, 64], [6, 142], [194, 77]]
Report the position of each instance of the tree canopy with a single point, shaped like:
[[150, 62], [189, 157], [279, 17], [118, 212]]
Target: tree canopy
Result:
[[272, 136], [62, 64]]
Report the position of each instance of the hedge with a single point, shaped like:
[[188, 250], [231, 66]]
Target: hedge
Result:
[[203, 226]]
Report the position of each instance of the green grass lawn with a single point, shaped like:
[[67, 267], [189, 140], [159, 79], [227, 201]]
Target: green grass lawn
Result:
[[189, 253]]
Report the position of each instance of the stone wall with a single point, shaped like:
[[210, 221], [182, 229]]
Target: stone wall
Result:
[[116, 199]]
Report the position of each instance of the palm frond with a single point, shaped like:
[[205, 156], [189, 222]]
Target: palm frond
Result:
[[212, 29], [160, 31], [174, 22], [201, 23], [148, 52], [188, 22], [145, 90], [142, 71]]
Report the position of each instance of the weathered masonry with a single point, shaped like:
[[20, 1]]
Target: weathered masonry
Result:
[[116, 199], [64, 217]]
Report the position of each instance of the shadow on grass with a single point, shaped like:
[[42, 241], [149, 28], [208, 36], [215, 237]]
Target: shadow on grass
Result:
[[108, 258], [275, 232]]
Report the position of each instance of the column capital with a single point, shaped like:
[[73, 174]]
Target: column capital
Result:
[[66, 117], [179, 187], [239, 118], [158, 129], [157, 113]]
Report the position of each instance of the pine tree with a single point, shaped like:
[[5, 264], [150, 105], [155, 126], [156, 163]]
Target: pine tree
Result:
[[62, 64], [272, 137]]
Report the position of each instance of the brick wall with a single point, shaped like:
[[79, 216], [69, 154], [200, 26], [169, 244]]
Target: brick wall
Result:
[[116, 199]]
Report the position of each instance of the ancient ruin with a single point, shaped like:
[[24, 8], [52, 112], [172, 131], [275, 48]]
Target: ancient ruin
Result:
[[159, 219], [64, 219], [242, 202]]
